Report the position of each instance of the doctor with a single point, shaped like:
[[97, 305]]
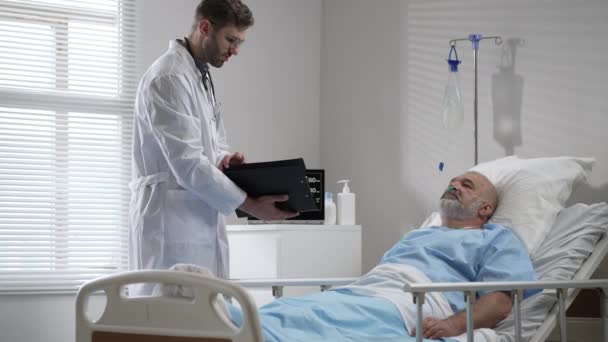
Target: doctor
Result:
[[179, 194]]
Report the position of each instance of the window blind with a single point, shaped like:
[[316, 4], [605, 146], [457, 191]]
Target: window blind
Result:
[[67, 87]]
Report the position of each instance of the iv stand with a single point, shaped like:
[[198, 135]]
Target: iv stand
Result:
[[475, 38]]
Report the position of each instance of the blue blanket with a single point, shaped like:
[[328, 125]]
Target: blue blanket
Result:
[[337, 315]]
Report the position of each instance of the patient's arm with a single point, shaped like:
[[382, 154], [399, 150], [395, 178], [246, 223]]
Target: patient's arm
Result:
[[487, 312]]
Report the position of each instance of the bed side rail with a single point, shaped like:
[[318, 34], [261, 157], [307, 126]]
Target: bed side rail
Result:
[[277, 285], [516, 288]]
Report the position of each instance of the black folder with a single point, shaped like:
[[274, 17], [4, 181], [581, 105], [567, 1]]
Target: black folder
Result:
[[283, 177]]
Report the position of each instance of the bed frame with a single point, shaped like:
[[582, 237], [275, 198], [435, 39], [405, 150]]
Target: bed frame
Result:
[[199, 319], [156, 319]]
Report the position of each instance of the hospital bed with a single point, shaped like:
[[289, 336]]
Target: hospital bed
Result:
[[582, 237]]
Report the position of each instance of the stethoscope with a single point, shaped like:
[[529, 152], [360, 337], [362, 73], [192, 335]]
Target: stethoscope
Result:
[[207, 83]]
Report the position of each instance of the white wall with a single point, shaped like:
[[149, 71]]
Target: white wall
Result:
[[362, 113], [270, 94], [383, 79], [270, 91], [556, 85]]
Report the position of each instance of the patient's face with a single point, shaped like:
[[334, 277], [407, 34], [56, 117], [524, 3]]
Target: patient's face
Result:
[[462, 199]]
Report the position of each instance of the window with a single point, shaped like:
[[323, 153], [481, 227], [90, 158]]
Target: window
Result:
[[67, 87]]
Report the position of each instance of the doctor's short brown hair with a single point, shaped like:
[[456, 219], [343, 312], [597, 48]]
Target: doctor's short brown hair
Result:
[[223, 12]]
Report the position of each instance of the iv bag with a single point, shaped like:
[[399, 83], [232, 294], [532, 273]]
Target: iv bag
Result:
[[453, 109]]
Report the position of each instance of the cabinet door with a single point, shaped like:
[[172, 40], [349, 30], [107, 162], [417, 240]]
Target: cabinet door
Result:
[[320, 254], [253, 255]]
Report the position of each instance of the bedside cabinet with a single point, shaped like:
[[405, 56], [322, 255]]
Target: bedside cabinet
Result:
[[270, 251]]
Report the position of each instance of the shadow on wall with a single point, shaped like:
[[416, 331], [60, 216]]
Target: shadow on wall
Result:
[[507, 98]]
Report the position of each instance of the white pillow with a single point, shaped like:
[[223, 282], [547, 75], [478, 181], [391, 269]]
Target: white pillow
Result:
[[532, 191]]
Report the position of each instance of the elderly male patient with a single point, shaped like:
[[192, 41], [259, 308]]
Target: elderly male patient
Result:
[[465, 248]]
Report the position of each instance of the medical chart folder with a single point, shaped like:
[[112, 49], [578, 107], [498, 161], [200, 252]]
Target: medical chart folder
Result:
[[275, 178]]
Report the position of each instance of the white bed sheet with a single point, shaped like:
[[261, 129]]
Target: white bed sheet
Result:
[[571, 240]]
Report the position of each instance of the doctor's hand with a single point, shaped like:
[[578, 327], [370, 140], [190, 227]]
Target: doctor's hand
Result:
[[236, 158], [264, 207], [435, 328]]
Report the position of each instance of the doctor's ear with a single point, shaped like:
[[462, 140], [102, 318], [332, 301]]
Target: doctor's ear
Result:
[[204, 27]]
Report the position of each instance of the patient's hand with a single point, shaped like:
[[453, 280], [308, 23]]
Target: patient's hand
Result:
[[488, 310], [435, 328]]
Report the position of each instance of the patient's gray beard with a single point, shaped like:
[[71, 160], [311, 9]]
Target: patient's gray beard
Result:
[[453, 209]]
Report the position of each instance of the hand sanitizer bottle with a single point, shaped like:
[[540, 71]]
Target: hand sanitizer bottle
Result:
[[346, 205], [330, 209]]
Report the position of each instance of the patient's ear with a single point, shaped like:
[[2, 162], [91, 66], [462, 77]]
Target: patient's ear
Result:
[[486, 210]]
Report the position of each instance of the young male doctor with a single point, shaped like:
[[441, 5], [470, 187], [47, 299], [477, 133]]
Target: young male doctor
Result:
[[179, 194]]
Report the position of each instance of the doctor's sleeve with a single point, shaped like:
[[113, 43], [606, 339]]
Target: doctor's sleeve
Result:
[[222, 140], [505, 258], [169, 114]]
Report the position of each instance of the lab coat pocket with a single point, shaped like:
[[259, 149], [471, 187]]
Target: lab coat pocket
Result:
[[190, 228], [145, 211], [146, 233]]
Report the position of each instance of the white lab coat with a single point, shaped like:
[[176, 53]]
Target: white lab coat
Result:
[[178, 194]]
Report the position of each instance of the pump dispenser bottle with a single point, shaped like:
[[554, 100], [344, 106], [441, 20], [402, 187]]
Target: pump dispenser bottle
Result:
[[330, 208], [346, 205]]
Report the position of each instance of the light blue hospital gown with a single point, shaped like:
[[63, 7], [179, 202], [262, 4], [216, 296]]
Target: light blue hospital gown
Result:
[[444, 255], [448, 255]]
